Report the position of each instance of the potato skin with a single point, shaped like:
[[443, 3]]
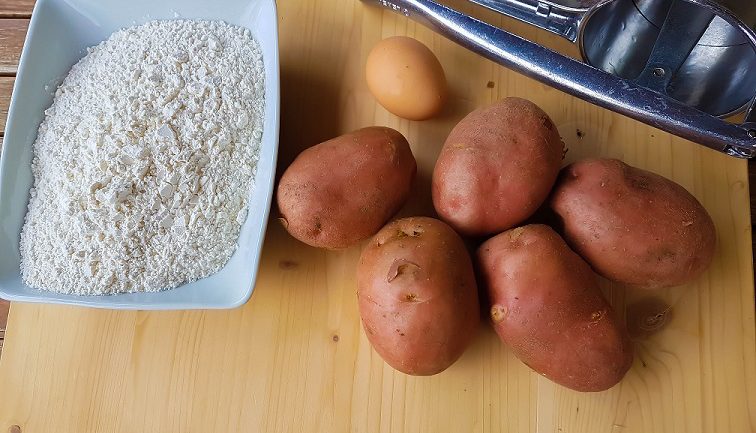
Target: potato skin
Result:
[[417, 295], [633, 226], [497, 167], [547, 306], [343, 190]]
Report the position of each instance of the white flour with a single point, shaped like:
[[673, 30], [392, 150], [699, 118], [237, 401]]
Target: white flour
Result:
[[145, 159]]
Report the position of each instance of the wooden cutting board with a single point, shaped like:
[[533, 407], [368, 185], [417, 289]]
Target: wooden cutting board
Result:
[[294, 359]]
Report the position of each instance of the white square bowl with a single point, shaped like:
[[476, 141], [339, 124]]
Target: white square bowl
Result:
[[59, 33]]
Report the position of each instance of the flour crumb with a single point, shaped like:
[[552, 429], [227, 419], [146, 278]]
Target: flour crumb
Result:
[[145, 160]]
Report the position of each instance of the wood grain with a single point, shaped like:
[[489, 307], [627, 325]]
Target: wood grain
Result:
[[4, 308], [752, 184], [16, 8], [295, 358], [12, 34], [6, 88]]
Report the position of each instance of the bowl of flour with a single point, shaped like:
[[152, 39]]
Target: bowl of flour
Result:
[[139, 155]]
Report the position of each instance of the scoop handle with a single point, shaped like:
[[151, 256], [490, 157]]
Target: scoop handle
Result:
[[558, 20], [579, 79]]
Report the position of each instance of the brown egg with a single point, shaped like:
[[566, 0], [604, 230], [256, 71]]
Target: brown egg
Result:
[[406, 78]]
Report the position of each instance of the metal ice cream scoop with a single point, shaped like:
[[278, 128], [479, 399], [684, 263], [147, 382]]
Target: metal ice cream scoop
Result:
[[678, 65]]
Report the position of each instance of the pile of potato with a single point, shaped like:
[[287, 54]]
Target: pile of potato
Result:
[[417, 283]]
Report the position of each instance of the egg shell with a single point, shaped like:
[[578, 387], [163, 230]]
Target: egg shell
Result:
[[406, 78]]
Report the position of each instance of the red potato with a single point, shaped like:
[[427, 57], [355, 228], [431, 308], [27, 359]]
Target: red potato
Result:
[[342, 191], [547, 306], [497, 167], [633, 226], [417, 295]]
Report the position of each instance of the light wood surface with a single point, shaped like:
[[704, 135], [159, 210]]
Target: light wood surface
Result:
[[12, 34], [3, 314], [295, 359], [6, 87], [4, 307], [16, 8]]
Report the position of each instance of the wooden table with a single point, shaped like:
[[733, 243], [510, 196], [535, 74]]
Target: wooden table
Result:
[[294, 359]]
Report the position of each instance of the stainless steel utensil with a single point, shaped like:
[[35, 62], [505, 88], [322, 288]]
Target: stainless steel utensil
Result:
[[678, 65]]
